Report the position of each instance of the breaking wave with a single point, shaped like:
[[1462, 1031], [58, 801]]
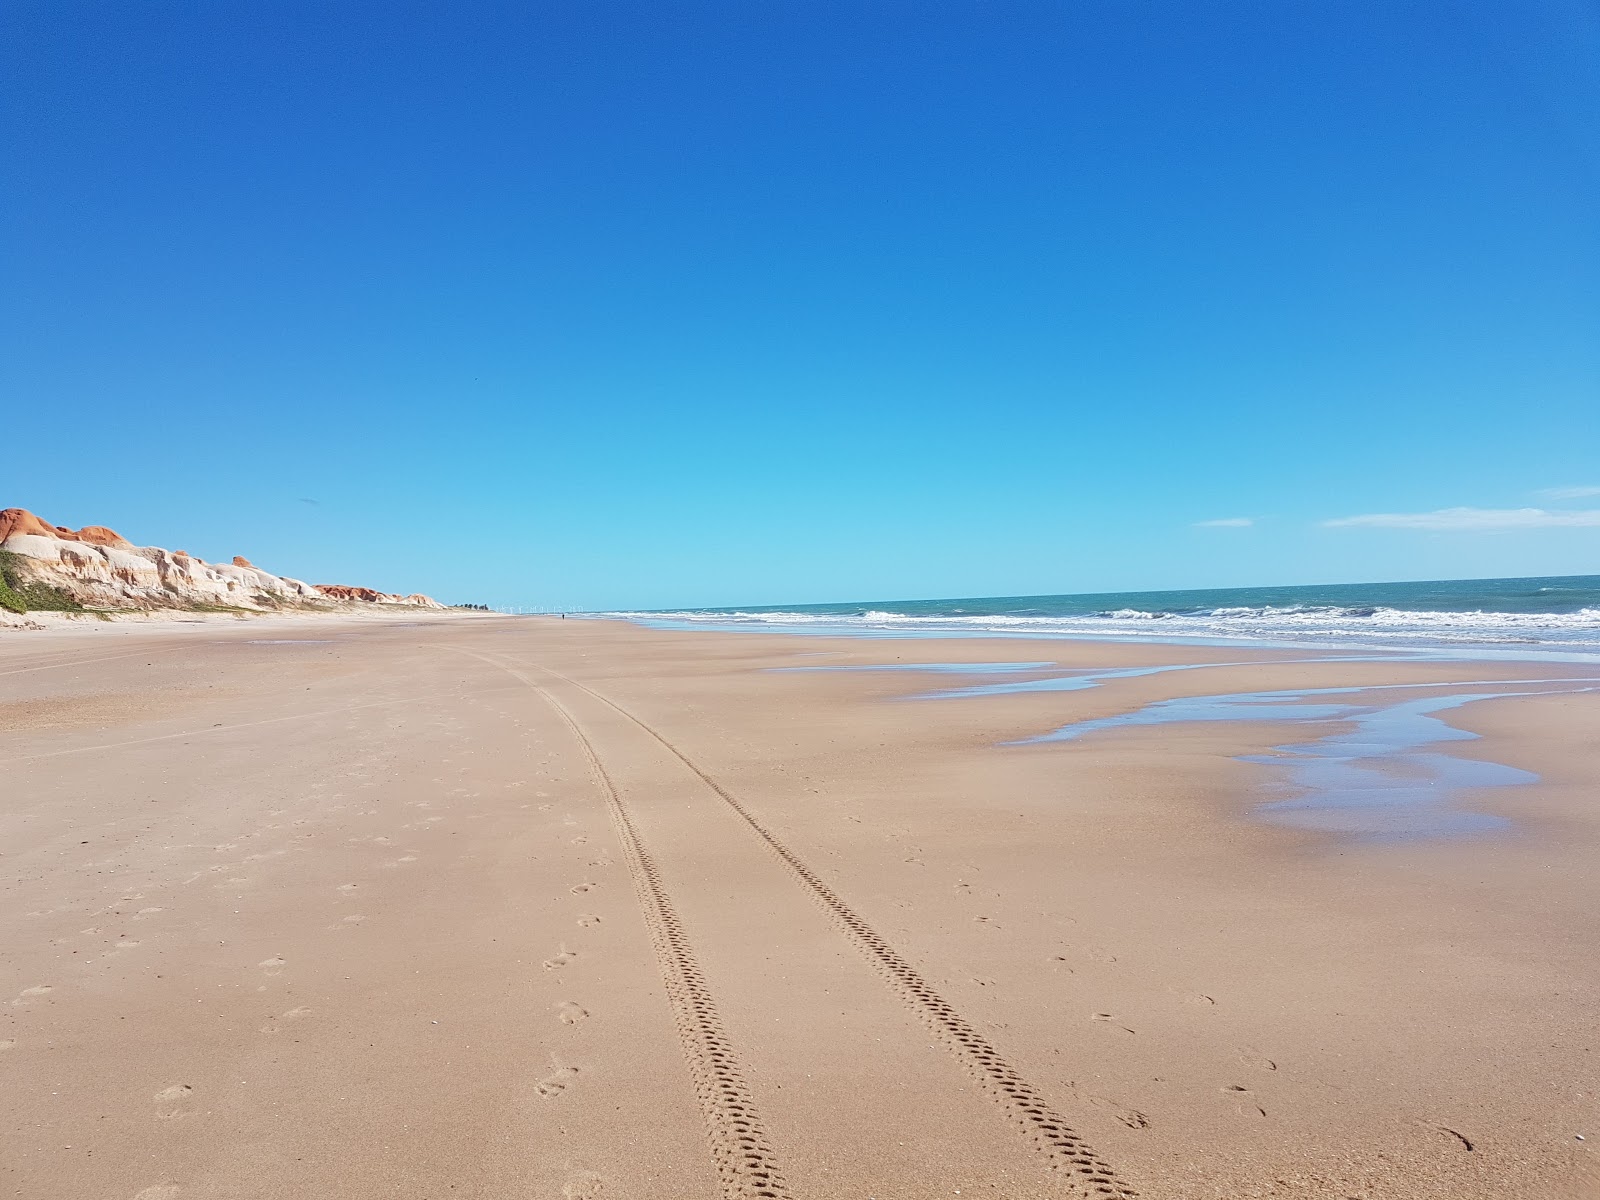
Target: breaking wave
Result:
[[1298, 623]]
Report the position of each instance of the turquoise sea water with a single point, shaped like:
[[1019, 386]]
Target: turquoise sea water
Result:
[[1380, 769], [1559, 612]]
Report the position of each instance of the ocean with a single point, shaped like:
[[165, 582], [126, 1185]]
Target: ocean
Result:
[[1558, 613]]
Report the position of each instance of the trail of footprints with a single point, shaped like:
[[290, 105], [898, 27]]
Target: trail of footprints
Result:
[[121, 908], [1243, 1098], [177, 1101], [1057, 1142], [563, 1074], [743, 1157], [1052, 1136], [568, 1012]]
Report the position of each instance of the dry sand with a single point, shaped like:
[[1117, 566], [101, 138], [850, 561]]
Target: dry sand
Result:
[[500, 908]]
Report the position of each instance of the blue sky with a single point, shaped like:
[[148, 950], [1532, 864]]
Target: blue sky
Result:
[[610, 305]]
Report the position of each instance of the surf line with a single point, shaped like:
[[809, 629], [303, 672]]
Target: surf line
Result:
[[1062, 1148], [746, 1164]]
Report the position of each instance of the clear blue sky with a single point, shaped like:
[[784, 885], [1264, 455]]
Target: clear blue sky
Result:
[[664, 304]]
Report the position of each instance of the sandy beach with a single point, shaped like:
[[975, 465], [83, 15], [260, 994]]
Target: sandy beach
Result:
[[519, 907]]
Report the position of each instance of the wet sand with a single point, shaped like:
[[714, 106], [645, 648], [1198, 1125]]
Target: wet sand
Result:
[[528, 908]]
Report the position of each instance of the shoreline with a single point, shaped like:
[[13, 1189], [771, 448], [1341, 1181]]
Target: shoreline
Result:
[[1464, 650], [1553, 614], [1215, 1006]]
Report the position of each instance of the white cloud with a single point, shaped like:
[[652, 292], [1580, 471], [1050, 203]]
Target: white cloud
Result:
[[1569, 493], [1226, 523], [1472, 519]]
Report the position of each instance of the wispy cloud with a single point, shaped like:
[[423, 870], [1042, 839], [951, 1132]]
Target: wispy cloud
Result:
[[1226, 523], [1568, 493], [1472, 519]]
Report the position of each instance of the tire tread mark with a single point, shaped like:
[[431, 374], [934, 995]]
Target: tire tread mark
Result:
[[746, 1165], [1063, 1149]]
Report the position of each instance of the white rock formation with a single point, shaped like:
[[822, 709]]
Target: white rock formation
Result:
[[98, 567]]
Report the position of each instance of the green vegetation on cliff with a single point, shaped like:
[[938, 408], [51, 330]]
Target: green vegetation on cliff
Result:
[[9, 600], [19, 595]]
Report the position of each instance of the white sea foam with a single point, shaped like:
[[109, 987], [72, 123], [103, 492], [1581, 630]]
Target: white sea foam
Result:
[[1299, 623]]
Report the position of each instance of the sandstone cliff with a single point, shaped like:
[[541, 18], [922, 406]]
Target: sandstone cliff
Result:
[[97, 567], [366, 595]]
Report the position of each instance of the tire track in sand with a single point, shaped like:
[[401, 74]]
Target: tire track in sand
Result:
[[744, 1159], [1063, 1149]]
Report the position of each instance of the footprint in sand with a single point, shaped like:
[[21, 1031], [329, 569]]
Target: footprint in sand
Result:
[[571, 1012], [1131, 1117], [347, 887], [7, 1043], [588, 919], [1245, 1098], [176, 1094], [1254, 1058], [273, 965], [147, 912], [581, 888], [585, 1185], [1110, 1020], [277, 1023], [33, 993], [556, 1082], [560, 959]]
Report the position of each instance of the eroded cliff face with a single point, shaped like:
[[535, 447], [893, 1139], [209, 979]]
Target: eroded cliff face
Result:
[[366, 595], [98, 567]]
